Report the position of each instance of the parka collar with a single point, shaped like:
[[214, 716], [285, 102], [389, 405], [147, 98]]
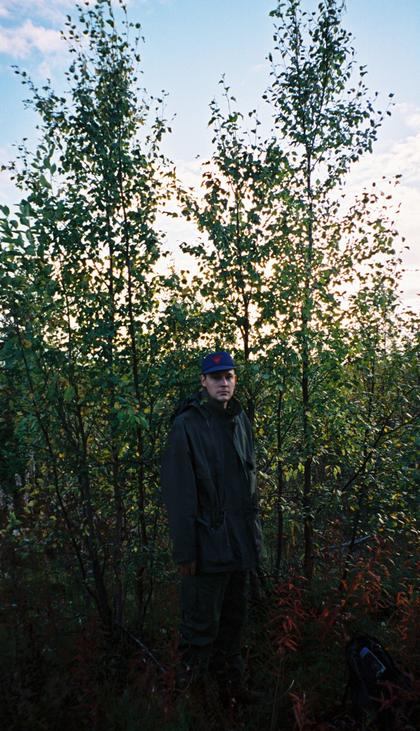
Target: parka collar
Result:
[[201, 401], [215, 407]]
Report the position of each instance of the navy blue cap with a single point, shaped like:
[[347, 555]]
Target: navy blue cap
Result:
[[220, 361]]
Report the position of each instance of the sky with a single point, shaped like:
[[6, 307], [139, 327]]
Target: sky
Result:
[[189, 44]]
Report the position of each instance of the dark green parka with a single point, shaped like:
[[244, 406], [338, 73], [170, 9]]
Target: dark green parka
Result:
[[209, 486]]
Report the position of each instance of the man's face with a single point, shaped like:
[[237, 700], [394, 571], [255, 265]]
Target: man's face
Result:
[[220, 385]]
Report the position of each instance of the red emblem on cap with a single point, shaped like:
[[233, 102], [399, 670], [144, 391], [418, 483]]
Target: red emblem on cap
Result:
[[216, 359]]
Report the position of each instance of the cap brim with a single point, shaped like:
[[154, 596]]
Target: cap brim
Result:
[[218, 368]]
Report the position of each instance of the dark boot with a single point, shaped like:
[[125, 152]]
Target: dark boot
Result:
[[202, 699], [228, 671], [237, 693]]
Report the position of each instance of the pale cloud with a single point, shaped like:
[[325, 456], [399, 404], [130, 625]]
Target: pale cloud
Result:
[[410, 114], [153, 2], [398, 157], [54, 11], [20, 42], [401, 158], [190, 172], [178, 230], [410, 287], [45, 70], [8, 191], [50, 10]]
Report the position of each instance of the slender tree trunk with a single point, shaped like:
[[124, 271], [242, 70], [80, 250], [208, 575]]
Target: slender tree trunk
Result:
[[361, 499], [141, 490], [91, 540], [83, 474], [307, 479], [115, 463], [280, 482], [245, 321], [308, 562]]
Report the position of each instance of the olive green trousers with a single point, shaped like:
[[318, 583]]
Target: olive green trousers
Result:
[[213, 614]]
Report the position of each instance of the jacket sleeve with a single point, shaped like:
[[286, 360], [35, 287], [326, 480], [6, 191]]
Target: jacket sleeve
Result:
[[258, 534], [180, 494]]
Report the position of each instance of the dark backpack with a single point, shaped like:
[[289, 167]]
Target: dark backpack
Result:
[[376, 685]]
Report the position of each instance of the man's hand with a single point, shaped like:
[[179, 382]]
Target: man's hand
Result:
[[187, 569]]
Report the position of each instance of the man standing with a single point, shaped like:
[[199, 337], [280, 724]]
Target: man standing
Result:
[[209, 487]]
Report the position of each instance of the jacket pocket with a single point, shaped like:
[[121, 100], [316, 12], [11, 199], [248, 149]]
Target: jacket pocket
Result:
[[252, 475], [214, 544]]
